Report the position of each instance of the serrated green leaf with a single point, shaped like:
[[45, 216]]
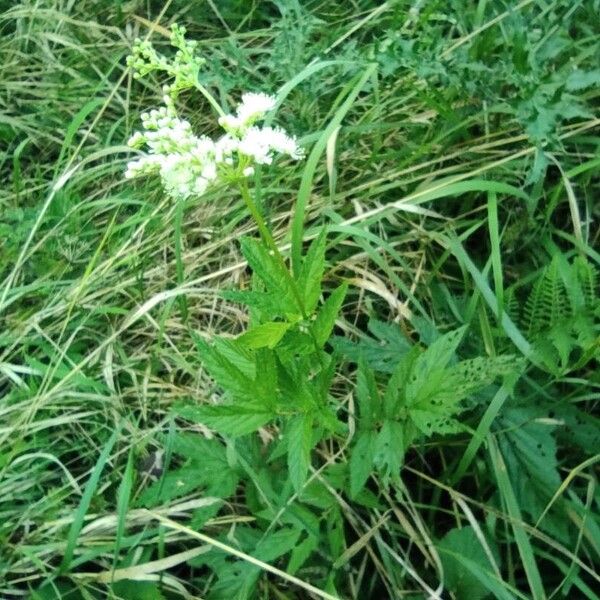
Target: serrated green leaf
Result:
[[429, 422], [361, 460], [468, 572], [441, 352], [578, 426], [311, 274], [395, 393], [304, 518], [265, 302], [382, 352], [277, 544], [266, 379], [469, 376], [265, 335], [180, 482], [299, 435], [335, 532], [237, 579], [295, 343], [201, 515], [428, 388], [580, 80], [237, 354], [367, 396], [272, 273], [229, 376], [295, 389], [301, 553], [137, 590], [317, 494], [325, 321], [233, 421], [529, 451], [195, 446]]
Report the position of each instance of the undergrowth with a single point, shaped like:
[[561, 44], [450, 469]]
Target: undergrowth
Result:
[[370, 373]]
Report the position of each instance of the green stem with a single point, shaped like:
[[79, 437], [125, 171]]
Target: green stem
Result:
[[179, 256], [268, 239], [210, 98]]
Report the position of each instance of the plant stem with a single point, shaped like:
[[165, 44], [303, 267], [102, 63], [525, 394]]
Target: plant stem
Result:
[[268, 239], [270, 242], [210, 98], [179, 257]]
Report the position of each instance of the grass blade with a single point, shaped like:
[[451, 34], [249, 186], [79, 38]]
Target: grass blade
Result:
[[508, 496], [84, 503], [312, 162]]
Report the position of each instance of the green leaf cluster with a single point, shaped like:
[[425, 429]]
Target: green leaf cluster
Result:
[[424, 396], [278, 370]]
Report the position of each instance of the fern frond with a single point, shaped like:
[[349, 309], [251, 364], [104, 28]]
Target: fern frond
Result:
[[561, 312], [548, 303], [511, 305], [587, 278]]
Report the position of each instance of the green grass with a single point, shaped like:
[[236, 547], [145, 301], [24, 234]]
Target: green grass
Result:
[[452, 152]]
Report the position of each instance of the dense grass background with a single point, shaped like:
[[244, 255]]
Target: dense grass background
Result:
[[462, 189]]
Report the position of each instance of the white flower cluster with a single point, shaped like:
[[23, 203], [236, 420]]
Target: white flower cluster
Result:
[[253, 107], [188, 164], [260, 144]]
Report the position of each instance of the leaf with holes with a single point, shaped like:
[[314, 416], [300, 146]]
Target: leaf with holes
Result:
[[390, 446], [381, 352]]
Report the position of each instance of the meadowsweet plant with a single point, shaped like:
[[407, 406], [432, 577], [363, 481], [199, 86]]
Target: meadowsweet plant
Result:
[[278, 368], [188, 163], [281, 370]]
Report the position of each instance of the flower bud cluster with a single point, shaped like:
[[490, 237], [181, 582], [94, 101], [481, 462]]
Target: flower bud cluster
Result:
[[184, 67]]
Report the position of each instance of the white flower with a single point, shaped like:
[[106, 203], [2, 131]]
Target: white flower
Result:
[[254, 106], [176, 176], [182, 176], [262, 143], [203, 147], [281, 142], [225, 147], [255, 145], [209, 171], [143, 166], [185, 162], [137, 140], [248, 171], [230, 123]]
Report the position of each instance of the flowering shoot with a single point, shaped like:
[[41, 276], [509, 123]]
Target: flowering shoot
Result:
[[186, 163]]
